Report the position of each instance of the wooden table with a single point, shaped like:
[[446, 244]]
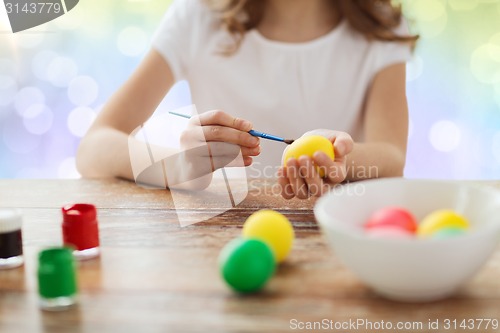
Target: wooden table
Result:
[[155, 276]]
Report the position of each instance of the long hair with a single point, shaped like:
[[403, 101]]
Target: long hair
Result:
[[375, 19]]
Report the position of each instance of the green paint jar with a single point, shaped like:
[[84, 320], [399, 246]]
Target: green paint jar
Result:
[[57, 284]]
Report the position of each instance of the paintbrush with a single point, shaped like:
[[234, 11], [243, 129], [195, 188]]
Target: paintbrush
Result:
[[251, 132]]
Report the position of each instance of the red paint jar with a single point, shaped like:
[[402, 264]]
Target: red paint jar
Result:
[[80, 230]]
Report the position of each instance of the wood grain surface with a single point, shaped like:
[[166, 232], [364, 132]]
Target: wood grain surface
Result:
[[156, 276]]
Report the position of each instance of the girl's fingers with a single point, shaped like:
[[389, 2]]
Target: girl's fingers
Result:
[[215, 155], [342, 141], [342, 144], [335, 171], [311, 176], [221, 118], [297, 183], [247, 160], [230, 135], [250, 151], [216, 149], [284, 184], [215, 139], [218, 126], [242, 161], [194, 138]]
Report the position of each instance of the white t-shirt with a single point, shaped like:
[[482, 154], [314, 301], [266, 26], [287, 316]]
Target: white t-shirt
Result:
[[284, 89]]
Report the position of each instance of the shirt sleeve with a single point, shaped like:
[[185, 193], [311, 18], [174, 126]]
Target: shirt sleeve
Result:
[[174, 37], [390, 53]]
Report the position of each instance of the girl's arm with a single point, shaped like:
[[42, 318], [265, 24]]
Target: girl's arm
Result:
[[382, 154], [386, 128], [104, 151]]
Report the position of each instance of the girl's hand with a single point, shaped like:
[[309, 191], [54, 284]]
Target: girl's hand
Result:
[[214, 140], [300, 177]]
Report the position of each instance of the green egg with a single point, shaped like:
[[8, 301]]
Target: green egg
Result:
[[246, 264], [448, 232]]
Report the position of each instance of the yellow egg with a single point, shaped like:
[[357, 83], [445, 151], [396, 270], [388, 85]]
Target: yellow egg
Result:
[[439, 220], [308, 145], [272, 228]]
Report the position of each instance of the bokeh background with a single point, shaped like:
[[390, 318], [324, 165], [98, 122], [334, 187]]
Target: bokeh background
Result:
[[55, 78]]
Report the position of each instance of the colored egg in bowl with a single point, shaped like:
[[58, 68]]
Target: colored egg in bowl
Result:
[[413, 269]]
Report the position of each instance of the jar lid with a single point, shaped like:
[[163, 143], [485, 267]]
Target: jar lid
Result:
[[79, 213], [56, 273], [10, 220], [79, 227]]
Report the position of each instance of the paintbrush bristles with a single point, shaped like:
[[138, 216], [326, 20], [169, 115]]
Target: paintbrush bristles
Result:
[[288, 141]]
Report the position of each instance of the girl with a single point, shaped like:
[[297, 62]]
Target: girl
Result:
[[329, 67]]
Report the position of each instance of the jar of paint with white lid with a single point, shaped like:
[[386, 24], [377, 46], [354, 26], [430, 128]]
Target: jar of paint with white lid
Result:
[[11, 239]]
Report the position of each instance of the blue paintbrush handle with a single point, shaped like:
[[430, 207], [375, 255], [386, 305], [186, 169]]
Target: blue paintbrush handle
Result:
[[266, 136]]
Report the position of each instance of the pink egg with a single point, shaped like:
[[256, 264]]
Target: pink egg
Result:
[[390, 232], [394, 217]]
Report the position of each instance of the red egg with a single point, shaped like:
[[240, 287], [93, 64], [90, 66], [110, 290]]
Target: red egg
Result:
[[395, 217], [390, 232]]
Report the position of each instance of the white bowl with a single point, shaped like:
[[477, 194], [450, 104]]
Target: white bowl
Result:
[[411, 269]]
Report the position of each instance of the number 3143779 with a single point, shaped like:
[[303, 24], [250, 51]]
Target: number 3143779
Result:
[[33, 8]]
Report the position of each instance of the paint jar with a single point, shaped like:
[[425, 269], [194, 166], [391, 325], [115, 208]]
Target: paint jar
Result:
[[80, 230], [11, 240], [57, 284]]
